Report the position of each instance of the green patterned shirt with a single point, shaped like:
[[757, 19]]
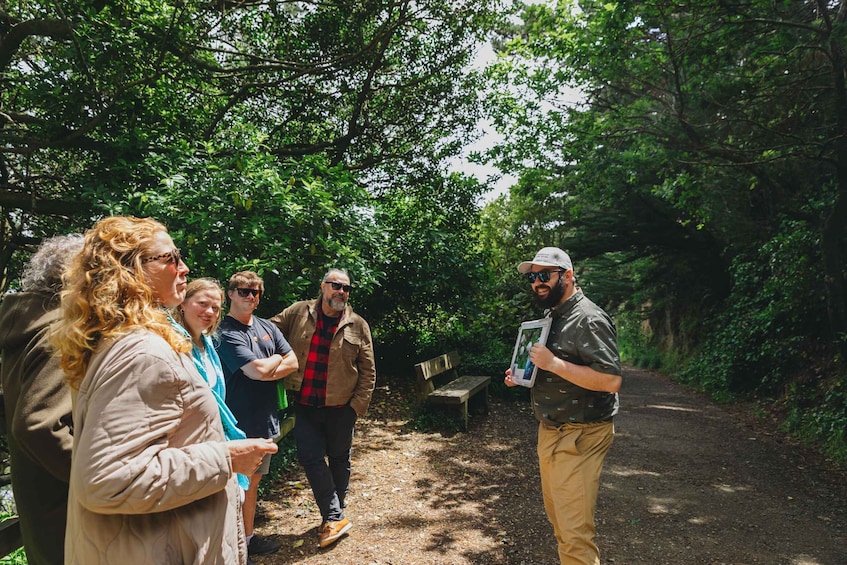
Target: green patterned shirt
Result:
[[582, 334]]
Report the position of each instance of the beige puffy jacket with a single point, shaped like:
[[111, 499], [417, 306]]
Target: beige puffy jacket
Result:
[[151, 480]]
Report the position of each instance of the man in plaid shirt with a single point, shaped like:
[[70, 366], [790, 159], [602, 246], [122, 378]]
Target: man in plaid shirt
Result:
[[330, 390]]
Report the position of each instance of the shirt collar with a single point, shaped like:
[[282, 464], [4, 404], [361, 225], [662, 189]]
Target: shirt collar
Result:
[[565, 307]]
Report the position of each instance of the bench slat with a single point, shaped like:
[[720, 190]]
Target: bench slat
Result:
[[437, 365], [10, 536], [458, 391]]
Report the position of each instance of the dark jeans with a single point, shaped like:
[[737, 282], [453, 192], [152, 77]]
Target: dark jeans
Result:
[[324, 437]]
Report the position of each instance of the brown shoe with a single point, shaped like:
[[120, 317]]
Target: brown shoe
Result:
[[331, 531]]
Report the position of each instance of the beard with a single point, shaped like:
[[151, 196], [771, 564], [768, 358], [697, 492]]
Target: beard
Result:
[[337, 304], [554, 296]]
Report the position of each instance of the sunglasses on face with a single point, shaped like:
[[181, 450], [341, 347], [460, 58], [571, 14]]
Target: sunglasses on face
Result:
[[543, 276], [171, 256], [245, 292], [339, 286]]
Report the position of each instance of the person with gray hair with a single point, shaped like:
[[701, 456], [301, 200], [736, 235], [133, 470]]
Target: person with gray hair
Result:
[[38, 402], [331, 389]]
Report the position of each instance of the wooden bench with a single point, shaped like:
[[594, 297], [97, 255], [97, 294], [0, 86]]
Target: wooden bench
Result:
[[438, 382], [10, 536]]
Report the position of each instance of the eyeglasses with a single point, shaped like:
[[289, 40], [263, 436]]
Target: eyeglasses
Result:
[[245, 292], [172, 257], [339, 286], [543, 276]]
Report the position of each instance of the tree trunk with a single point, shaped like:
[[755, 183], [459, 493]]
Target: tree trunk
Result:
[[834, 231]]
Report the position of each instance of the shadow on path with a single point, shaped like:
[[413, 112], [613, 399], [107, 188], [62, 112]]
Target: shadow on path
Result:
[[687, 482], [691, 482]]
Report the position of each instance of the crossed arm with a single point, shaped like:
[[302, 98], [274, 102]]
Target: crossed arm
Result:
[[271, 368]]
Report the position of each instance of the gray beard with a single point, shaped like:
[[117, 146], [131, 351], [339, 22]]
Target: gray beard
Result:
[[337, 304]]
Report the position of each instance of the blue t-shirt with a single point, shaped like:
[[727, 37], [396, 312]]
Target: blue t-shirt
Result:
[[253, 403]]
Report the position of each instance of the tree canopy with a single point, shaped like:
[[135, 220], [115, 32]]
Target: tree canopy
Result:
[[697, 178], [689, 155], [264, 133]]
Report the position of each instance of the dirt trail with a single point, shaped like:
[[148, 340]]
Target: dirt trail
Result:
[[691, 482], [687, 482]]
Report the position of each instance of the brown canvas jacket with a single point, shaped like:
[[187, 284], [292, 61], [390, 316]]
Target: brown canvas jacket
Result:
[[352, 371]]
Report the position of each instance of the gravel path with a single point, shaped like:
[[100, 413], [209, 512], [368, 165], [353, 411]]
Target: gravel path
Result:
[[687, 482]]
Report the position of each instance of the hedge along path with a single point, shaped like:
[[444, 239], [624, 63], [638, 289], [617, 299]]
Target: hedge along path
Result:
[[686, 482]]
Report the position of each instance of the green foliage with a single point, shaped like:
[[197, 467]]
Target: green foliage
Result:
[[263, 120], [686, 155], [634, 343], [430, 419], [17, 557], [759, 339], [490, 357], [431, 275], [287, 221], [818, 414]]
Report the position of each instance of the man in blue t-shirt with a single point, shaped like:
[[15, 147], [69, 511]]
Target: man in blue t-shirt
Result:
[[254, 355]]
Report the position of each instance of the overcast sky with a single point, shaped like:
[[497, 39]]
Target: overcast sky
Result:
[[486, 140]]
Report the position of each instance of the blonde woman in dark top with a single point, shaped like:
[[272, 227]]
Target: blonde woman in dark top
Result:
[[199, 316]]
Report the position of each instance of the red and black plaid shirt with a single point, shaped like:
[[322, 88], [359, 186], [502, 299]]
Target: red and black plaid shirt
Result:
[[313, 389]]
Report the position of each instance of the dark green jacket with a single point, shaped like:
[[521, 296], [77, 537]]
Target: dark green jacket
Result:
[[38, 423]]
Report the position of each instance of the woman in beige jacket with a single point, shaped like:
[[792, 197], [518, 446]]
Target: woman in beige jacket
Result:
[[152, 476]]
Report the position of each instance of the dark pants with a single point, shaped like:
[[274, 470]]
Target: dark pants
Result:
[[324, 437]]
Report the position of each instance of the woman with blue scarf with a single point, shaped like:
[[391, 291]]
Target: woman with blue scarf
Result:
[[198, 317]]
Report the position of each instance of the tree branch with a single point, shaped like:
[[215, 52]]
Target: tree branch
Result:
[[11, 42], [11, 198]]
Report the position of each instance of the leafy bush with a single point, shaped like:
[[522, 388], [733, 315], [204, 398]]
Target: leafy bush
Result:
[[635, 344], [429, 419], [755, 345], [769, 341], [818, 414]]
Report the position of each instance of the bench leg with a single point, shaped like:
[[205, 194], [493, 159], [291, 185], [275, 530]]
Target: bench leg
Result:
[[479, 402], [464, 416]]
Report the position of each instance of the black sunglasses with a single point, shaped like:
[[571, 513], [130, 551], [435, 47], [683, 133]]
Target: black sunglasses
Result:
[[339, 286], [172, 256], [543, 276], [245, 292]]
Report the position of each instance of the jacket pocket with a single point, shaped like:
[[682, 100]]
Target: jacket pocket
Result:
[[350, 346]]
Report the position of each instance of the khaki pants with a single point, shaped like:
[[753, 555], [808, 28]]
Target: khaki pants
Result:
[[570, 458]]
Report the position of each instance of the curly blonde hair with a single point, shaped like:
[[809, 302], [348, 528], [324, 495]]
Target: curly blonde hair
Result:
[[106, 293], [195, 286]]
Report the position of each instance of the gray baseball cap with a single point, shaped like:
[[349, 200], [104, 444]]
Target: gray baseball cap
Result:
[[547, 257]]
